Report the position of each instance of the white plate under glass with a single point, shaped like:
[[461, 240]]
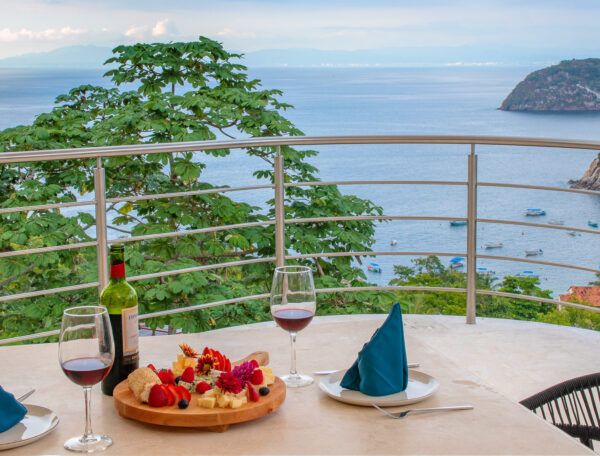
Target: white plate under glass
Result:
[[420, 387], [38, 422]]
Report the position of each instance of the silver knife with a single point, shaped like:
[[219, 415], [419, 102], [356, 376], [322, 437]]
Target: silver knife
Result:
[[26, 395], [331, 371]]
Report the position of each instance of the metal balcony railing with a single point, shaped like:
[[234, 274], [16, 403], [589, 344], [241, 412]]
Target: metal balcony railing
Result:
[[100, 201]]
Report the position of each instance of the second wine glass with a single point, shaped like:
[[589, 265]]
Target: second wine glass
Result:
[[293, 305]]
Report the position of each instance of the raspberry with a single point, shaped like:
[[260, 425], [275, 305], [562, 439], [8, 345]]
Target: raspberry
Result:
[[202, 387], [257, 377], [166, 377], [254, 363], [188, 375]]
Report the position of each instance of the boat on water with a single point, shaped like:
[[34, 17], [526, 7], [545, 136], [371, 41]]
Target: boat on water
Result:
[[593, 224], [532, 252], [534, 212], [393, 242], [493, 245], [373, 267], [456, 262], [527, 274], [556, 222], [458, 223], [485, 271]]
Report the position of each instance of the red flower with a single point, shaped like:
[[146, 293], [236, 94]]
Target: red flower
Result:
[[228, 383], [206, 363], [188, 351]]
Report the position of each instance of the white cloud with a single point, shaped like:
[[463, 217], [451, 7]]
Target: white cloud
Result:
[[161, 28], [137, 32], [51, 34]]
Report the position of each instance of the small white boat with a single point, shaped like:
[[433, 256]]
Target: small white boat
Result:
[[532, 252], [493, 245], [485, 271], [534, 212], [572, 233], [393, 242], [556, 222]]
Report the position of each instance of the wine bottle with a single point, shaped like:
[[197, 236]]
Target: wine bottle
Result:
[[121, 301]]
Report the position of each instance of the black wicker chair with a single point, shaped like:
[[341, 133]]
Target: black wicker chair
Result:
[[571, 406]]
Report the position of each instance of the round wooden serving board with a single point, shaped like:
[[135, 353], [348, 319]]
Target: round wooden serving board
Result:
[[216, 419]]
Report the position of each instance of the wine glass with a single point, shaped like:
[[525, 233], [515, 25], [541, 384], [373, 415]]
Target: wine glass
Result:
[[293, 305], [86, 353]]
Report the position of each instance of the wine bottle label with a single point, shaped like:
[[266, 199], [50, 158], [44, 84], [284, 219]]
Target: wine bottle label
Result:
[[130, 330]]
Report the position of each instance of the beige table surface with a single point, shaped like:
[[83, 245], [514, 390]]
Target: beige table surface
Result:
[[308, 422]]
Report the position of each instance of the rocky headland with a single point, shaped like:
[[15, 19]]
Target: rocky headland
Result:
[[591, 178], [572, 85]]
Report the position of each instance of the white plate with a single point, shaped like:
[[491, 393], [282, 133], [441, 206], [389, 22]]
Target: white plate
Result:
[[420, 387], [38, 422]]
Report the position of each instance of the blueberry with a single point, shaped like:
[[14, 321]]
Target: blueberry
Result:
[[264, 391], [183, 404], [177, 379]]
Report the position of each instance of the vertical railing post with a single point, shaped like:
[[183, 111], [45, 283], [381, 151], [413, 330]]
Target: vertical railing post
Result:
[[279, 210], [472, 237], [101, 234]]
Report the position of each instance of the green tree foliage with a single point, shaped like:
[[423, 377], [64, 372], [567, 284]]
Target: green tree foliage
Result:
[[431, 272], [182, 92]]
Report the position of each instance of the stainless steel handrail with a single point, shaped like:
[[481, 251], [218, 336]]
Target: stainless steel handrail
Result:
[[100, 202]]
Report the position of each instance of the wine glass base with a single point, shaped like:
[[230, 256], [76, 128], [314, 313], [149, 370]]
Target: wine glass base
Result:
[[89, 444], [296, 380]]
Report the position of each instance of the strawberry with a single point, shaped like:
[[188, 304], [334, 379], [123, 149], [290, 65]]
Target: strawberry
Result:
[[169, 394], [254, 363], [175, 392], [166, 377], [202, 387], [257, 377], [157, 398], [184, 393], [252, 394], [188, 375]]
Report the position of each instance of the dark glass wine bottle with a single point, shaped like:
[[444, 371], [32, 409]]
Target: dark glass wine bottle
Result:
[[121, 301]]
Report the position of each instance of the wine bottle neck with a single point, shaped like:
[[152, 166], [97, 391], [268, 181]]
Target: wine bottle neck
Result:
[[117, 271]]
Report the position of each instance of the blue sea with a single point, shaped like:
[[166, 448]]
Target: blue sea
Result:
[[450, 100]]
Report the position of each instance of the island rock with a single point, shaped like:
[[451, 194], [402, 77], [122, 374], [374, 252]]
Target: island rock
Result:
[[572, 85], [591, 178]]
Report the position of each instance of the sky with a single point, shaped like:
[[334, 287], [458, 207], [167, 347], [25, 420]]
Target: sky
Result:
[[243, 26]]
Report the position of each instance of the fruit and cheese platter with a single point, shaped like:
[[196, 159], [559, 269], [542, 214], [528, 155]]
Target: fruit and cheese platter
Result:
[[204, 390]]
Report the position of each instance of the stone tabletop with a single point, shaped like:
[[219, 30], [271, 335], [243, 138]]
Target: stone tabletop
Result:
[[489, 365]]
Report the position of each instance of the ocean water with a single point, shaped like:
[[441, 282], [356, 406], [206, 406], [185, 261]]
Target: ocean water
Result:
[[423, 101]]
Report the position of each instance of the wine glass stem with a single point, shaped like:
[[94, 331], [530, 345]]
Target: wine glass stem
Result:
[[87, 393], [293, 343]]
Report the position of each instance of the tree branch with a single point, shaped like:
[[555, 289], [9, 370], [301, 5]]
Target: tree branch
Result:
[[16, 276]]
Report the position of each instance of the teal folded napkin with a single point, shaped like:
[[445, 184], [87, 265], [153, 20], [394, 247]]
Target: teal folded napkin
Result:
[[11, 410], [381, 367]]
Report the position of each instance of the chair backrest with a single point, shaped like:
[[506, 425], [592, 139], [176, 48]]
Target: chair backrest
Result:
[[572, 406]]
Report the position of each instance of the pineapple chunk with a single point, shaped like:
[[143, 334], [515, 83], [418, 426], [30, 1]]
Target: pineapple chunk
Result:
[[189, 362], [268, 377], [236, 403], [209, 393], [206, 402], [224, 401]]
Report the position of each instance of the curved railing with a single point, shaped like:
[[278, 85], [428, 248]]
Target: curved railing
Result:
[[100, 201]]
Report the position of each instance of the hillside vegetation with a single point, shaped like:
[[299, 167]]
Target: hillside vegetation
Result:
[[572, 85]]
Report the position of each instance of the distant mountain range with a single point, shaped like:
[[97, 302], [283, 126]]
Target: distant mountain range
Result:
[[94, 57]]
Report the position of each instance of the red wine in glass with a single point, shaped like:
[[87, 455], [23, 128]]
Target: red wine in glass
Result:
[[86, 371], [293, 320]]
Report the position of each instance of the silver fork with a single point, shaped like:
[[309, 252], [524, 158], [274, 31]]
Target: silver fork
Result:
[[424, 410]]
